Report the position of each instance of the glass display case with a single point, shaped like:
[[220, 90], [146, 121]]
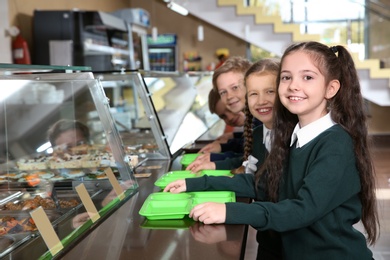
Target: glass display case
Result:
[[57, 132], [170, 108]]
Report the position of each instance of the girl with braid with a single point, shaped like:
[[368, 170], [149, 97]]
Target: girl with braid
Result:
[[260, 83], [318, 179]]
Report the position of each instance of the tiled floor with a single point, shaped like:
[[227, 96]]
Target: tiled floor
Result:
[[381, 156]]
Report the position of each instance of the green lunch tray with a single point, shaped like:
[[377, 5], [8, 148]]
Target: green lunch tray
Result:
[[212, 196], [171, 176], [165, 205], [188, 158]]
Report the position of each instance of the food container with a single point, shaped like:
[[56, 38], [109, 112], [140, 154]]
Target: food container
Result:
[[165, 205], [26, 201], [212, 196], [188, 158], [20, 222], [18, 227], [171, 176]]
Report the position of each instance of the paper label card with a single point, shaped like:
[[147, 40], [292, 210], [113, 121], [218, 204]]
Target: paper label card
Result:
[[46, 230], [115, 184], [87, 202]]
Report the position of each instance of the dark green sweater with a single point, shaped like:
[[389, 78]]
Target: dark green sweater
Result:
[[258, 151], [318, 200]]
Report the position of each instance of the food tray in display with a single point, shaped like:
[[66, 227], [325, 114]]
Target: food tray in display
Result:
[[82, 156], [26, 201], [17, 227], [188, 158], [164, 205], [57, 175], [171, 176], [20, 222]]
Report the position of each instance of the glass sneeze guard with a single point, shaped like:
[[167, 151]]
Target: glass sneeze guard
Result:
[[56, 131], [173, 105]]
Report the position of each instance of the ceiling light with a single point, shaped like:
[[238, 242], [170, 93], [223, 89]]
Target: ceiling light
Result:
[[177, 8]]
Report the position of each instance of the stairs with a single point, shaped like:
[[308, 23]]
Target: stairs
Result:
[[267, 31]]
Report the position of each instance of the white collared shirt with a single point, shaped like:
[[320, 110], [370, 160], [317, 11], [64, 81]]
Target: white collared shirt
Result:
[[311, 131], [267, 138], [238, 129]]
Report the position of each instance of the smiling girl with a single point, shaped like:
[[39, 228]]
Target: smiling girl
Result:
[[319, 174], [228, 82], [260, 85]]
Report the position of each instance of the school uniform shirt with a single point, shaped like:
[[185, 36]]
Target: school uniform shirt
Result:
[[238, 129], [318, 198], [267, 138], [259, 151]]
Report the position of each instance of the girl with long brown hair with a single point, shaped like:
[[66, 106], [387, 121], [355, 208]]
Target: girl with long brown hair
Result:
[[319, 176]]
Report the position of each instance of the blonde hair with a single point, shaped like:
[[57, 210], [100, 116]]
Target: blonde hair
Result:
[[233, 64]]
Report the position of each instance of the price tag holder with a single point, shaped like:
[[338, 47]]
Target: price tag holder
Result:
[[115, 184], [87, 202], [46, 230]]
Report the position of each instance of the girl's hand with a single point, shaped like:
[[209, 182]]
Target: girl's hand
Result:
[[176, 186], [209, 213], [214, 147], [196, 167], [198, 161], [203, 157]]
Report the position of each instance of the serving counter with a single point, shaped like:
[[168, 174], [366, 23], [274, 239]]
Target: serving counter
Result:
[[136, 136], [128, 235]]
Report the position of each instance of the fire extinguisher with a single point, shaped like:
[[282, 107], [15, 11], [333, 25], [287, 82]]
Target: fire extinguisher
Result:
[[20, 52]]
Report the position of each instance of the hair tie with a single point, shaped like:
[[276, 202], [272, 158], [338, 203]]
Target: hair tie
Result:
[[334, 49]]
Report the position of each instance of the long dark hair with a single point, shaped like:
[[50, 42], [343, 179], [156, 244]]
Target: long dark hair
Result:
[[347, 110]]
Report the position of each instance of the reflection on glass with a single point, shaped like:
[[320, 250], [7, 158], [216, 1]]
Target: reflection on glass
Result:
[[131, 115], [31, 108], [182, 108], [157, 113]]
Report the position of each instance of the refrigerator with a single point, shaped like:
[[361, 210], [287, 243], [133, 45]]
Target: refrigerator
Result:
[[102, 41], [137, 21], [163, 52]]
